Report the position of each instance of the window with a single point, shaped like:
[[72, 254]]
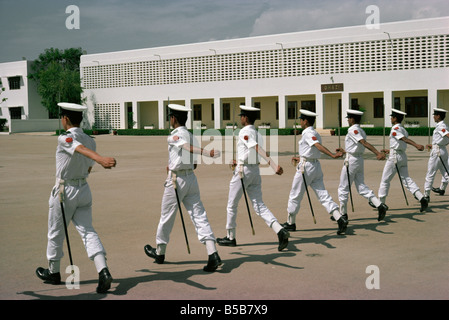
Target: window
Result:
[[197, 112], [397, 103], [416, 106], [308, 105], [292, 109], [226, 111], [257, 105], [15, 113], [14, 83], [378, 104]]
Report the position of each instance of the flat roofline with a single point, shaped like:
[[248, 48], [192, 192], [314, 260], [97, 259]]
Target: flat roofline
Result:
[[291, 37]]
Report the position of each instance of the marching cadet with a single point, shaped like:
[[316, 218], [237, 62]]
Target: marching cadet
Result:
[[247, 175], [308, 172], [397, 161], [181, 183], [353, 168], [438, 159], [75, 156]]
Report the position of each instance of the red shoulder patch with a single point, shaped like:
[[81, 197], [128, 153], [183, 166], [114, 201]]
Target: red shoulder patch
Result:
[[444, 130], [356, 132], [69, 140], [246, 138], [396, 128], [394, 133], [314, 138]]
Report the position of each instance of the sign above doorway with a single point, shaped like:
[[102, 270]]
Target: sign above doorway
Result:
[[332, 87]]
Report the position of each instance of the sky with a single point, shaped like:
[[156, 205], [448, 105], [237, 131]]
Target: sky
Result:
[[28, 27]]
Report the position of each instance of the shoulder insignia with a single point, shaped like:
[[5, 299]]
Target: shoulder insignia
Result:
[[356, 132], [246, 138], [314, 138], [394, 133]]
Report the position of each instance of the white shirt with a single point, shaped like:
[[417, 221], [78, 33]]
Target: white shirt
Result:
[[354, 135], [178, 157], [249, 138], [439, 136], [396, 134], [71, 164], [309, 138]]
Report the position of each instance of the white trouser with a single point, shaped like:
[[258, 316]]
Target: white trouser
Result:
[[390, 171], [78, 209], [356, 176], [433, 166], [189, 195], [253, 188], [314, 180]]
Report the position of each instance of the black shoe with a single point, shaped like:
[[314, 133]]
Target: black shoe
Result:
[[424, 203], [283, 239], [213, 262], [382, 212], [104, 281], [226, 242], [151, 252], [289, 227], [342, 225], [44, 274], [438, 190]]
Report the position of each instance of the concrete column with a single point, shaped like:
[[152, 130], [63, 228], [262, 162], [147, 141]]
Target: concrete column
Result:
[[388, 105], [282, 105], [345, 106], [217, 113], [123, 115], [432, 103], [162, 123], [249, 101], [189, 123], [136, 114], [319, 106]]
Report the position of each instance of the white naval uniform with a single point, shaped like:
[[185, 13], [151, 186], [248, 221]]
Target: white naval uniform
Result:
[[310, 165], [72, 169], [439, 143], [354, 160], [181, 163], [248, 163], [399, 157]]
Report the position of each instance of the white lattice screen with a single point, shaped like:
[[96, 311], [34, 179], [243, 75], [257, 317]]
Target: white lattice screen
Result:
[[366, 56], [107, 115]]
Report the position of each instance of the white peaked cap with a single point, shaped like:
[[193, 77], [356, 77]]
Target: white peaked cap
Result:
[[354, 112], [248, 108], [307, 113], [72, 106], [439, 110], [398, 112], [178, 107]]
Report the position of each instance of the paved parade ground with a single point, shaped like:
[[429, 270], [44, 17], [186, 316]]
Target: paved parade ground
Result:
[[404, 257]]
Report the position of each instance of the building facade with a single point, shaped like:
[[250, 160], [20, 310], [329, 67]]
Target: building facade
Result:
[[22, 107], [402, 65]]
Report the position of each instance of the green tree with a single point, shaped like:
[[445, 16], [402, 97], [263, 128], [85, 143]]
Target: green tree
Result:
[[57, 74]]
